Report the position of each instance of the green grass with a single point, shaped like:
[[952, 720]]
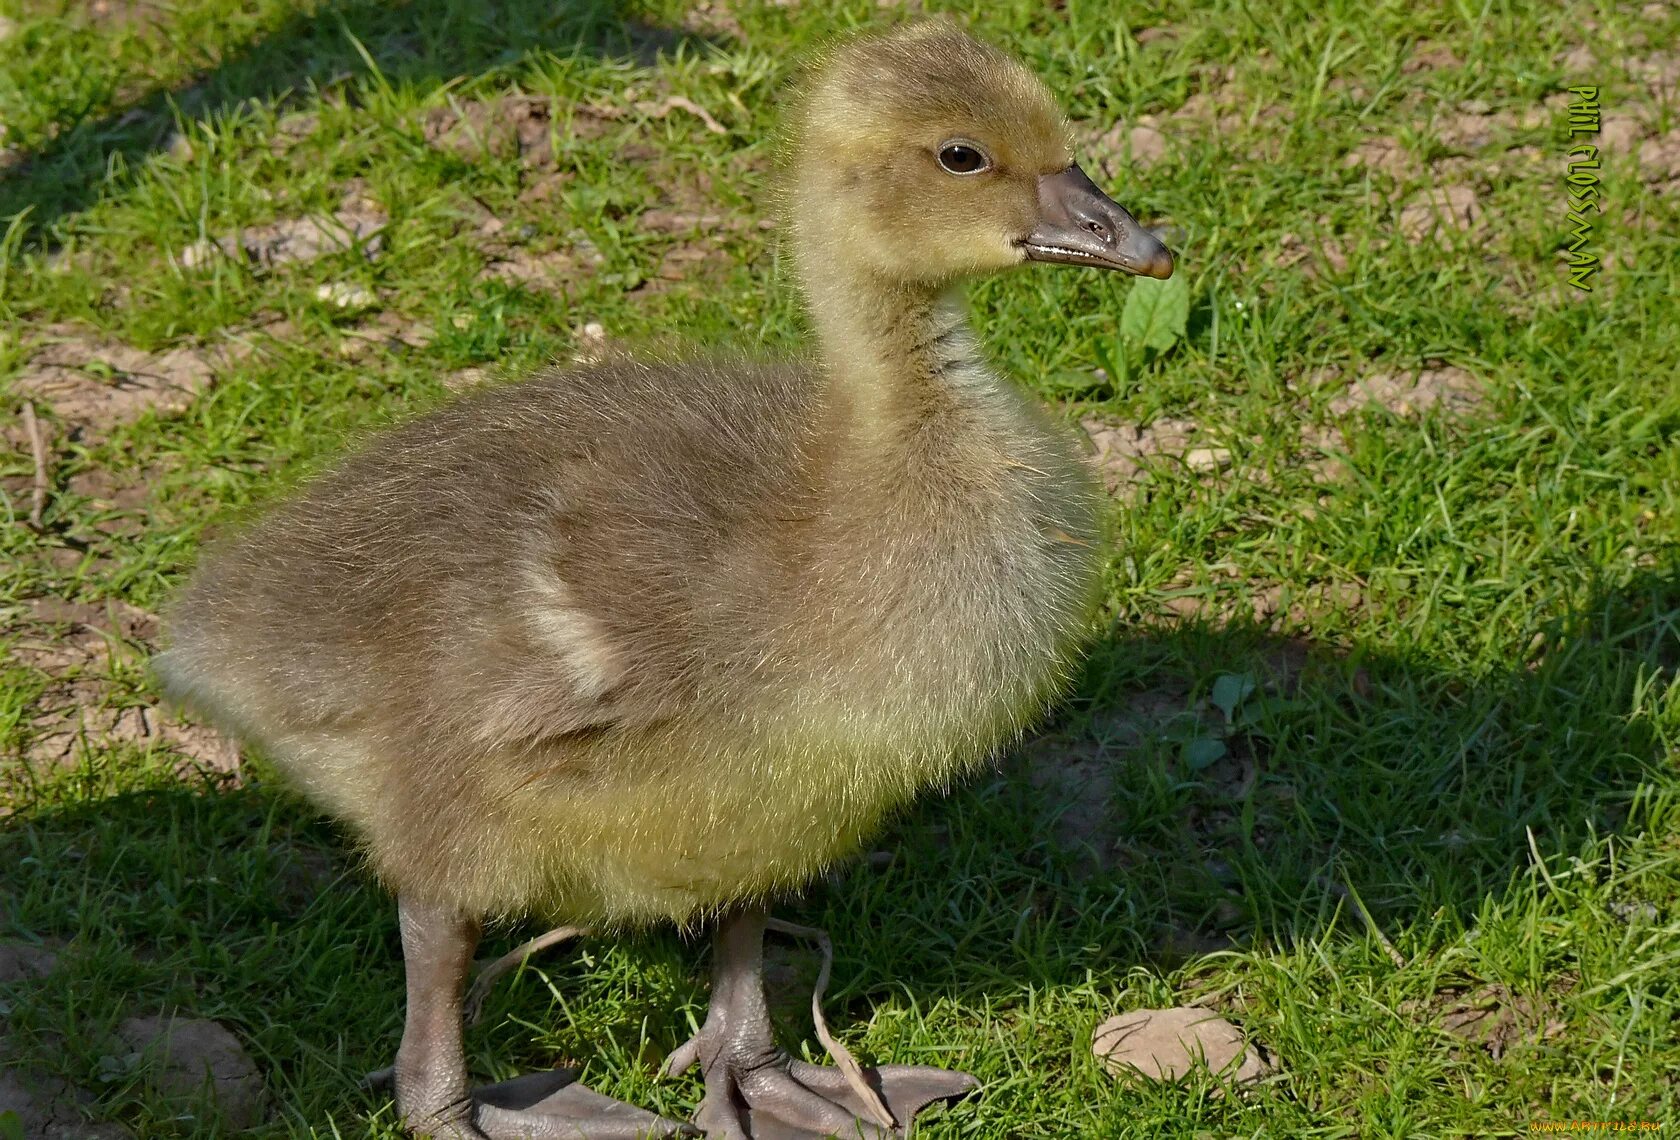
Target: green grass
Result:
[[1483, 748]]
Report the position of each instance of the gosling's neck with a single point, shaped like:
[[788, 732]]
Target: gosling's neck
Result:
[[903, 364]]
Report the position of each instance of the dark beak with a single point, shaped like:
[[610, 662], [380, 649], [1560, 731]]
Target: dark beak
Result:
[[1080, 225]]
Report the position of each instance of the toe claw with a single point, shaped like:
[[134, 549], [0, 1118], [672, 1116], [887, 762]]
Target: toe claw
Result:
[[681, 1059]]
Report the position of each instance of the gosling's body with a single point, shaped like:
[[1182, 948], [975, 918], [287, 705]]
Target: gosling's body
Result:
[[633, 641], [650, 640]]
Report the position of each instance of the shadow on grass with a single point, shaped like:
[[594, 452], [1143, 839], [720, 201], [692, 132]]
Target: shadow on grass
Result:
[[1414, 788], [1409, 786], [309, 57]]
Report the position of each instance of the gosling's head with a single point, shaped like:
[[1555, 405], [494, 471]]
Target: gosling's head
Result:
[[925, 155]]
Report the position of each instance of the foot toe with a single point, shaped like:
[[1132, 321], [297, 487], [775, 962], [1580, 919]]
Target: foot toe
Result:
[[799, 1101], [905, 1089], [554, 1106]]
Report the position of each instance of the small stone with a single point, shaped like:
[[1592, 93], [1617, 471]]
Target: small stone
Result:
[[179, 147], [464, 378], [1167, 1044], [190, 1059], [346, 295], [1207, 458]]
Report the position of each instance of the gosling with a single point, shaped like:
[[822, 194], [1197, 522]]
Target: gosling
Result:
[[651, 641]]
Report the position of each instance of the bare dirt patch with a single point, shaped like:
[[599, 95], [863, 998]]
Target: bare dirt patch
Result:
[[1124, 451], [80, 646], [1074, 773], [1489, 1017], [1430, 57], [1659, 158], [1319, 252], [25, 961], [291, 129], [95, 383], [1446, 386], [193, 1061], [518, 126], [1121, 146], [548, 271], [1440, 209], [713, 20], [390, 332], [47, 1108], [1383, 153], [357, 224]]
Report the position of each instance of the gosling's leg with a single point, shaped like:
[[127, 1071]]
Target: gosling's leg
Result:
[[433, 1097], [755, 1091], [430, 1076]]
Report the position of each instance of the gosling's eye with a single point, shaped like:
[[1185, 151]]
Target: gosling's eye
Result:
[[963, 158]]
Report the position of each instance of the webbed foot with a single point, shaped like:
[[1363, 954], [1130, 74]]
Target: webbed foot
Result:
[[756, 1091]]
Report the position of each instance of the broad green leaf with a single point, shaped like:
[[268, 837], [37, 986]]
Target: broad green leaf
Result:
[[1203, 751], [1156, 312], [1229, 691]]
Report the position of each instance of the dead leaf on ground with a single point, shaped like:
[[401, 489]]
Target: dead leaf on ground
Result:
[[1168, 1044], [96, 384]]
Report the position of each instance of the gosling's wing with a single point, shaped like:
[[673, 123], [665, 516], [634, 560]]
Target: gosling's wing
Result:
[[625, 509], [536, 560]]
